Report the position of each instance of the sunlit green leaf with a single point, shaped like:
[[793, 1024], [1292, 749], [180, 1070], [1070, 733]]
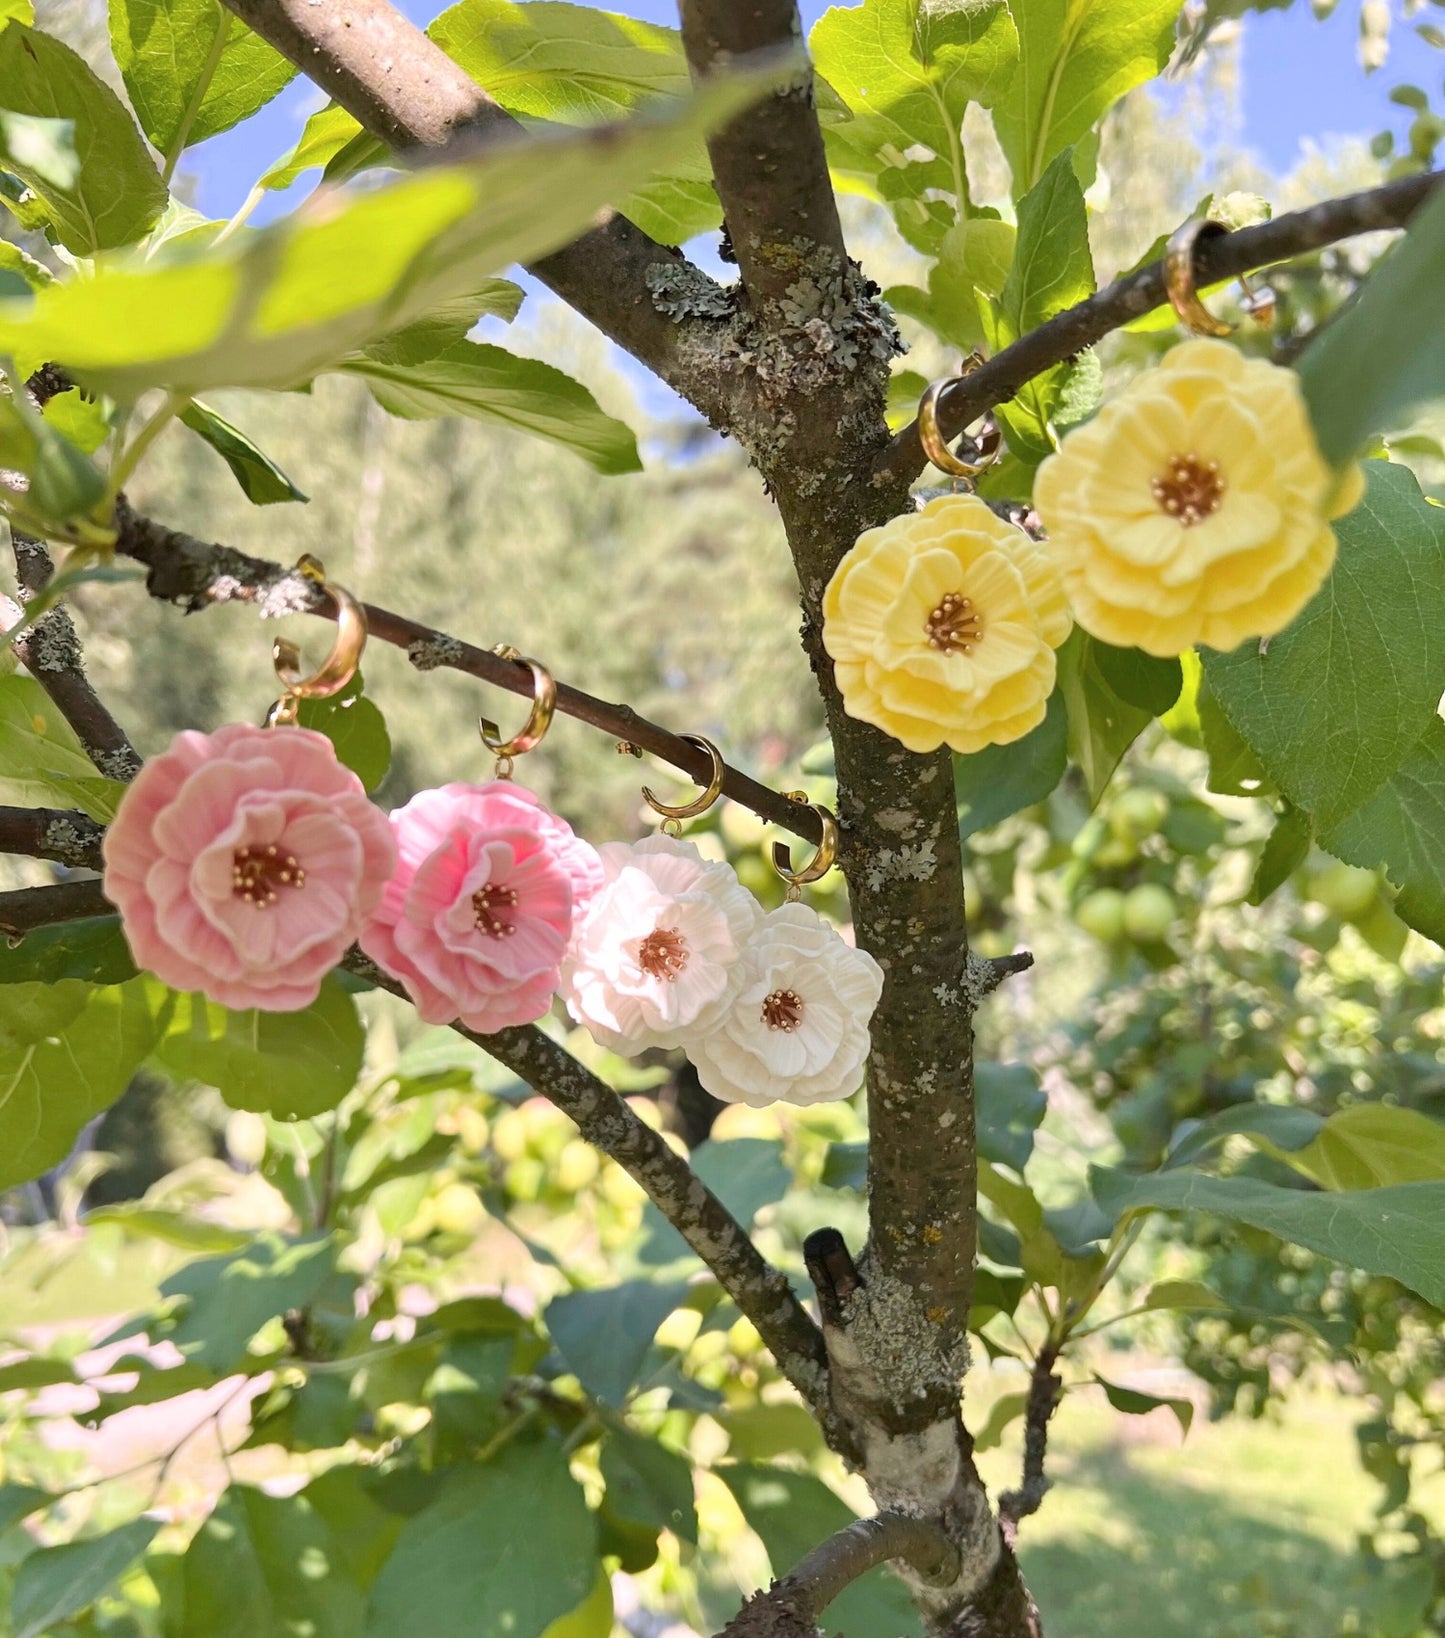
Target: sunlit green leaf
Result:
[[1134, 1403], [647, 1483], [1370, 1145], [1003, 779], [227, 1299], [93, 950], [262, 482], [355, 726], [324, 135], [55, 1583], [1283, 853]]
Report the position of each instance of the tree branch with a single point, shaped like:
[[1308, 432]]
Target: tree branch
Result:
[[28, 908], [769, 163], [50, 650], [197, 574], [408, 93], [1219, 257], [65, 837], [791, 1607], [1045, 1390]]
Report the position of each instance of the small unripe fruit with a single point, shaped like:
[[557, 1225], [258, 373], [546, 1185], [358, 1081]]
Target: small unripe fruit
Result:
[[509, 1135], [1345, 890], [575, 1167], [1116, 852], [525, 1177], [1101, 914], [457, 1210], [1138, 813], [1149, 913]]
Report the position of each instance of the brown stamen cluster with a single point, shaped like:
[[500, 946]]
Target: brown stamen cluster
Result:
[[783, 1010], [257, 872], [954, 626], [486, 902], [663, 954], [1190, 489]]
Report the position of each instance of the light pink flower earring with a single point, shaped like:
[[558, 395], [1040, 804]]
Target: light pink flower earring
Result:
[[244, 862], [476, 919]]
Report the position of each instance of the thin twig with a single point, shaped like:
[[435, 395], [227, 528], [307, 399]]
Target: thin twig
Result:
[[1219, 257], [197, 574], [1045, 1390]]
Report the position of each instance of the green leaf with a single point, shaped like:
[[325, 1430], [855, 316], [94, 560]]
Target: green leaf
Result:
[[117, 196], [64, 482], [351, 1498], [1134, 1403], [1101, 725], [1402, 828], [323, 136], [228, 1299], [172, 1228], [41, 762], [575, 66], [1004, 779], [505, 1549], [1044, 1259], [44, 147], [1183, 1295], [1076, 59], [82, 421], [448, 323], [67, 1051], [1234, 768], [192, 69], [1370, 1145], [487, 383], [1010, 1106], [1139, 679], [792, 1512], [19, 1501], [976, 254], [1393, 1231], [647, 1484], [1004, 1411], [1285, 850], [16, 10], [54, 1583], [1385, 354], [1343, 694], [605, 1335], [273, 307], [262, 482], [1280, 1127], [19, 272], [355, 726], [93, 950], [265, 1564], [290, 1065]]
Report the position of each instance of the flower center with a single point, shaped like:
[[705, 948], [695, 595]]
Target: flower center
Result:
[[953, 627], [256, 873], [663, 953], [783, 1010], [1190, 489], [488, 902]]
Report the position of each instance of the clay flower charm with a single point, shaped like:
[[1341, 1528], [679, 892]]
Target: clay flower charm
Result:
[[942, 625], [798, 1028], [244, 862], [478, 914], [1196, 507], [654, 961]]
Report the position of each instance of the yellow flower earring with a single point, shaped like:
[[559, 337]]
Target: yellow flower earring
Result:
[[1195, 507]]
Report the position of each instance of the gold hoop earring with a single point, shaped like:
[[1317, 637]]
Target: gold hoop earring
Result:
[[821, 862], [539, 719], [988, 443], [1179, 283], [339, 666], [672, 817]]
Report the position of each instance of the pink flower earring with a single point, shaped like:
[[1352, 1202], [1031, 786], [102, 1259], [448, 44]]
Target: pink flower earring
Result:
[[244, 862], [476, 919]]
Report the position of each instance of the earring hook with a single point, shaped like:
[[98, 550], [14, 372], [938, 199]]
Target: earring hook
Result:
[[821, 862], [672, 817], [930, 435], [1179, 283], [339, 666], [539, 719]]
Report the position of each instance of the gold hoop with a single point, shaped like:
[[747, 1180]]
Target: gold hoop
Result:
[[821, 862], [930, 435], [1183, 295], [672, 817], [539, 719], [339, 666]]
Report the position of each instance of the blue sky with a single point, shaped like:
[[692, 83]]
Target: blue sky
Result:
[[1300, 79]]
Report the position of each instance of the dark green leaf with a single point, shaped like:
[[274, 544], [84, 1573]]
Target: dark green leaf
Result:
[[605, 1335], [1234, 768], [793, 1512], [117, 195], [1134, 1403], [1101, 725], [488, 383], [35, 1372], [262, 482], [1281, 1126], [1385, 354], [1394, 1231], [266, 1564], [845, 1166], [192, 69], [228, 1299], [93, 950], [1010, 1106], [355, 726], [1004, 1411], [1285, 850], [1342, 696], [1004, 779], [647, 1484], [19, 1501], [505, 1549], [352, 1500], [288, 1064], [1139, 679], [64, 482], [55, 1583]]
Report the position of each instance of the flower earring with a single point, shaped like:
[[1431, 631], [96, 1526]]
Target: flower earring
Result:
[[244, 862], [475, 920]]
